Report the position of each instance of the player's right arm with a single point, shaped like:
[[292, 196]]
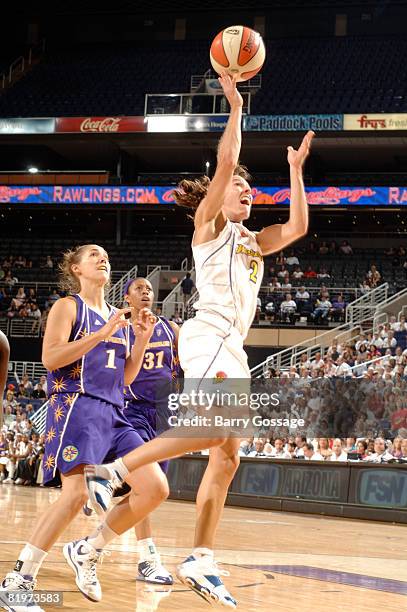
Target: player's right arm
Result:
[[227, 158], [57, 351]]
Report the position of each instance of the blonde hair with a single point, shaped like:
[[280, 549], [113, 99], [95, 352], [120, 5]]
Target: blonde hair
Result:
[[191, 193], [68, 281]]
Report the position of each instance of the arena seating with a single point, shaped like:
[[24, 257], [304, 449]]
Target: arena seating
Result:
[[326, 75]]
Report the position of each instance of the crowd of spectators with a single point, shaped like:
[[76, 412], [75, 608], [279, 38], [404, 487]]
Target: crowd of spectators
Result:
[[374, 450], [21, 446]]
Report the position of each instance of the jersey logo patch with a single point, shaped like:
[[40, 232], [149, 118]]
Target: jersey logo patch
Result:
[[159, 332], [70, 453], [97, 322]]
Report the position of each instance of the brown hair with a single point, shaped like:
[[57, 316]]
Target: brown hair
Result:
[[68, 281], [190, 193]]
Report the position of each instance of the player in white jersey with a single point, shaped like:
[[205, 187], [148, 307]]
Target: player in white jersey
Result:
[[229, 269]]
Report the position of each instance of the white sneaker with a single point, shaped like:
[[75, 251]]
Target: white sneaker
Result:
[[19, 481], [151, 570], [22, 584], [202, 576], [102, 481], [8, 481], [82, 558]]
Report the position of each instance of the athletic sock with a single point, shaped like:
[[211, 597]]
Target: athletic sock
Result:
[[30, 560], [146, 549], [119, 467], [203, 552], [102, 536]]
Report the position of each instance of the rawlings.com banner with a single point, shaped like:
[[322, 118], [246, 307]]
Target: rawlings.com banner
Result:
[[277, 196]]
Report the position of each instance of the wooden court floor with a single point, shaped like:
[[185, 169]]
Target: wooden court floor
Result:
[[283, 561]]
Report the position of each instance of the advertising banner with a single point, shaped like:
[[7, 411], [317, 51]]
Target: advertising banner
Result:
[[292, 123], [136, 194], [100, 124], [375, 121], [17, 125]]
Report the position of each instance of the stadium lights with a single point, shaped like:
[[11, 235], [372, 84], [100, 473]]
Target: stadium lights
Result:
[[33, 170]]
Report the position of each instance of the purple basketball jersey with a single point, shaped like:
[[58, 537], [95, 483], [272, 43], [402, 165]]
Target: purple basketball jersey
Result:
[[160, 364], [99, 373]]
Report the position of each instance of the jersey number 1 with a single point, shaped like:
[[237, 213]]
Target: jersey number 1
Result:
[[111, 355]]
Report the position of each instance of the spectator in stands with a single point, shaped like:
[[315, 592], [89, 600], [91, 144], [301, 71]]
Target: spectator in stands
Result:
[[343, 368], [27, 383], [284, 272], [278, 451], [275, 284], [310, 273], [286, 282], [373, 276], [396, 448], [323, 273], [34, 313], [381, 454], [52, 298], [9, 279], [310, 454], [22, 392], [288, 308], [322, 308], [334, 350], [323, 448], [317, 363], [292, 260], [338, 308], [404, 448], [10, 401], [49, 263], [258, 450], [323, 249], [298, 273], [270, 310], [333, 247], [299, 450], [345, 248], [389, 341], [176, 317], [23, 312], [32, 296], [20, 262], [20, 298], [187, 285], [350, 445], [280, 259], [361, 449], [365, 286], [400, 325], [338, 454], [39, 392]]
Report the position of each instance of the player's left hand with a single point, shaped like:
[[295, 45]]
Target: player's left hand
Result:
[[296, 159], [144, 326]]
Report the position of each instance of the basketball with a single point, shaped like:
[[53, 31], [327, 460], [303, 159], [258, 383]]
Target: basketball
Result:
[[239, 50]]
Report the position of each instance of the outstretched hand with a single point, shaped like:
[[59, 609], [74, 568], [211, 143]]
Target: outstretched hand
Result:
[[296, 158], [144, 326], [116, 322], [230, 89]]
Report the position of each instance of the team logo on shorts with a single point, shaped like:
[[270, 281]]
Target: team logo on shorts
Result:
[[220, 377], [70, 453]]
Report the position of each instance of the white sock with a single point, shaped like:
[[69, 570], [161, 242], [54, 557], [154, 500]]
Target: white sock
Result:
[[30, 561], [203, 552], [102, 536], [146, 548], [119, 467]]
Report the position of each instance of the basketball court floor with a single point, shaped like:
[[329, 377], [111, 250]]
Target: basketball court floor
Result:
[[282, 561]]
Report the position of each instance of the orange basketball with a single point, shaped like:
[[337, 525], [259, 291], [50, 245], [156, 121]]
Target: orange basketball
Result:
[[238, 50]]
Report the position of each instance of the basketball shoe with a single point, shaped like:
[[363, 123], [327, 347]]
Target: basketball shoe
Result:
[[82, 558], [151, 570], [202, 576], [17, 583], [102, 482]]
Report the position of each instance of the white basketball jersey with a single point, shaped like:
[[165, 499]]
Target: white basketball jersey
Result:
[[229, 271]]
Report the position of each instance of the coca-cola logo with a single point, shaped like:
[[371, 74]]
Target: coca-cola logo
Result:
[[21, 193], [107, 124]]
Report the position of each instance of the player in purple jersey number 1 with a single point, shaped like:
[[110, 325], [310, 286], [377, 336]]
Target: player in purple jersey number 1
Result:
[[142, 405], [86, 342]]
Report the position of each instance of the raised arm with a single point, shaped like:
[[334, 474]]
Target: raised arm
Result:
[[277, 237], [228, 156]]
